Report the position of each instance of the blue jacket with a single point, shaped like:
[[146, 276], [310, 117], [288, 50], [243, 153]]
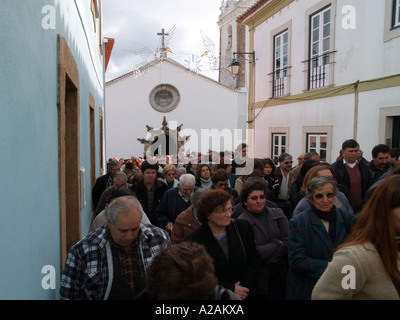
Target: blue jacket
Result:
[[310, 249], [88, 271], [166, 210]]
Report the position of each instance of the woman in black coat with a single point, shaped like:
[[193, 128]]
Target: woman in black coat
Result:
[[230, 243]]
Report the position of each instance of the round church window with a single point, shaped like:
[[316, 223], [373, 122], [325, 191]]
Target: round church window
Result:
[[164, 98]]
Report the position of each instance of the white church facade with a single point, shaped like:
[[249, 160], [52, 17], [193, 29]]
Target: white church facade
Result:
[[207, 113], [214, 114]]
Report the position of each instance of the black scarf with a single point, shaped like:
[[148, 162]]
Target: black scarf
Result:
[[331, 217]]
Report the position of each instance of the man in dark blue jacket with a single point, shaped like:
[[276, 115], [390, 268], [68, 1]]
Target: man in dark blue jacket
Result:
[[174, 201]]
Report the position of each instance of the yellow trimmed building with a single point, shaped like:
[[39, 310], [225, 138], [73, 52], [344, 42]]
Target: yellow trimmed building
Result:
[[324, 72]]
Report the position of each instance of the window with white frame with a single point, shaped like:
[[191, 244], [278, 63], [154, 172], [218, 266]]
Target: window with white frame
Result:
[[278, 144], [320, 39], [396, 13], [318, 142], [281, 48]]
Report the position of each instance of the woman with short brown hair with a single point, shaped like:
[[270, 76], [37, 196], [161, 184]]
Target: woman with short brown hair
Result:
[[230, 243]]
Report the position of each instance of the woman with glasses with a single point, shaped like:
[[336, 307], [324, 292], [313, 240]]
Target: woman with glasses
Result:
[[321, 169], [271, 231], [229, 242], [314, 234]]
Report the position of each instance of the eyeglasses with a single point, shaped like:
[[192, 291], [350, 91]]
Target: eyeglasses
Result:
[[319, 196], [254, 198], [229, 210]]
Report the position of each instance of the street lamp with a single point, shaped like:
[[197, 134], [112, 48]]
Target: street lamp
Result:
[[235, 65]]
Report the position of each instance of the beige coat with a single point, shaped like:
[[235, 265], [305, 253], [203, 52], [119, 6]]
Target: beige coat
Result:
[[371, 280]]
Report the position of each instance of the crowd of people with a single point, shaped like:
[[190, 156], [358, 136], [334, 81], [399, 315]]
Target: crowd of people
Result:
[[211, 228]]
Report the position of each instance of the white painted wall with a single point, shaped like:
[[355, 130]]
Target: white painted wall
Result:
[[295, 116], [362, 54]]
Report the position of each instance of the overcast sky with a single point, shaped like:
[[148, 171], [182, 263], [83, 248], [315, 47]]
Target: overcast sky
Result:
[[134, 25]]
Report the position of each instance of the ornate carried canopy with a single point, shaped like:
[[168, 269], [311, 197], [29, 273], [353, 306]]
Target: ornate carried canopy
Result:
[[164, 141]]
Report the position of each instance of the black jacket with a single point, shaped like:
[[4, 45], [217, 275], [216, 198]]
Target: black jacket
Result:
[[140, 192], [377, 173], [241, 266], [98, 188]]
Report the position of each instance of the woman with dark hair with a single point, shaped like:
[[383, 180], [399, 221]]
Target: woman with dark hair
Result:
[[370, 254], [269, 175], [220, 180], [271, 230], [229, 242], [203, 176]]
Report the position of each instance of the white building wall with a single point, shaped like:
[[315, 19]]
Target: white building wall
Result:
[[291, 18], [372, 104], [361, 54], [294, 117]]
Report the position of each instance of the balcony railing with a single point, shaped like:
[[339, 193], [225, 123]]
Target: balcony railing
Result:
[[280, 85], [318, 71]]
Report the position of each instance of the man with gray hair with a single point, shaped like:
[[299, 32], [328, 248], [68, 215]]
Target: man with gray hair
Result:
[[187, 220], [174, 201], [101, 218], [110, 263]]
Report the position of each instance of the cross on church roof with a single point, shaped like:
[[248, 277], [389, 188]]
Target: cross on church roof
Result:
[[163, 49]]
